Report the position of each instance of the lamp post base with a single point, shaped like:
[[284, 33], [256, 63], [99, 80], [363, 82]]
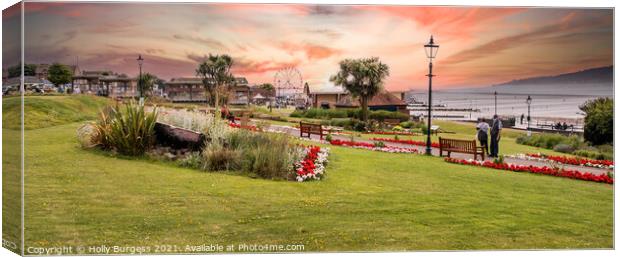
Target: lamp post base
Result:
[[429, 151]]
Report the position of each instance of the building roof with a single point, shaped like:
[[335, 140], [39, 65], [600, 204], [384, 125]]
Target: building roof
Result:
[[385, 98], [382, 99]]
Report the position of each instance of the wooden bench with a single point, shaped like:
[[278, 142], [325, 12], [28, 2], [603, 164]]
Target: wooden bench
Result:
[[460, 146], [309, 128]]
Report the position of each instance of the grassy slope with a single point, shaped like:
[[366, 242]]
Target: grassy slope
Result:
[[370, 201], [46, 111]]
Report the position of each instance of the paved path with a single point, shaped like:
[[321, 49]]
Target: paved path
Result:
[[435, 151]]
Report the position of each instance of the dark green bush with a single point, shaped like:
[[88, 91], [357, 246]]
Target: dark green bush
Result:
[[407, 124], [382, 115], [549, 141], [341, 122], [563, 148], [325, 114], [599, 121]]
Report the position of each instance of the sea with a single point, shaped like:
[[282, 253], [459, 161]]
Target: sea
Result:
[[549, 102]]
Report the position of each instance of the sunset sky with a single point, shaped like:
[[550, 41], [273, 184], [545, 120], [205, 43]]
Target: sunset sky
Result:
[[478, 46]]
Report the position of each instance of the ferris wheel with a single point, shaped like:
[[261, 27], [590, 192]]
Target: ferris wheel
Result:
[[288, 81]]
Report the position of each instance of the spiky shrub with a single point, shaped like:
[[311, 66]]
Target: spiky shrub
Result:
[[269, 156], [266, 155], [127, 129], [217, 157]]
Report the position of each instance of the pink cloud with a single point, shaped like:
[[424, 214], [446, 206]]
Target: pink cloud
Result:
[[312, 51]]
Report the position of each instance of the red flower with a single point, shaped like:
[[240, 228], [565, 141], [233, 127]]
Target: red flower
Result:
[[602, 178]]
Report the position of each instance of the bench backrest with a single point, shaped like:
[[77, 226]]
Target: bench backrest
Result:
[[458, 144], [309, 127]]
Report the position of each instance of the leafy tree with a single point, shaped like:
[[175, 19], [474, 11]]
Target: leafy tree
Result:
[[59, 74], [16, 71], [599, 120], [362, 78], [216, 75], [267, 86], [146, 83]]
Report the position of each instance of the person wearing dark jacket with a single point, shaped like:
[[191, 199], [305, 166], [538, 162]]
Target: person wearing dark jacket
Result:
[[496, 129]]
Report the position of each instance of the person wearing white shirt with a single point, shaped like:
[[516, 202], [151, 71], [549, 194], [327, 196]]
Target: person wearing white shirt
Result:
[[482, 129]]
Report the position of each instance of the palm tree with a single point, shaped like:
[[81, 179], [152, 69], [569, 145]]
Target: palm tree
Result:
[[215, 74], [362, 78], [147, 81]]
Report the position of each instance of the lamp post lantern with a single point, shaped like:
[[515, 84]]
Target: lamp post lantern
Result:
[[431, 51], [529, 103], [140, 61], [495, 102]]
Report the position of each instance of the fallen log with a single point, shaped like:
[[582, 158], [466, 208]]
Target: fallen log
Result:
[[179, 138]]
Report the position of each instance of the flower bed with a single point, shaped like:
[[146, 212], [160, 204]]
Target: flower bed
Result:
[[373, 147], [248, 127], [603, 164], [405, 141], [602, 178], [312, 166], [393, 133]]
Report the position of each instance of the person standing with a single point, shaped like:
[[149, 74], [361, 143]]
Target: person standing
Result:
[[496, 129], [482, 134]]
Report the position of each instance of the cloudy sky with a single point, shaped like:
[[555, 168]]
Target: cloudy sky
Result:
[[478, 46]]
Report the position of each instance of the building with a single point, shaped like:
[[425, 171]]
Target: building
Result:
[[326, 99], [338, 98], [261, 96], [106, 83], [190, 89]]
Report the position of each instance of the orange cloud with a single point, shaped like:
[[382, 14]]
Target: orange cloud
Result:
[[244, 66], [459, 22], [312, 51]]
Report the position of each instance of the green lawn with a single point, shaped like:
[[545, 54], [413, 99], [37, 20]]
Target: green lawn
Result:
[[45, 111], [370, 201]]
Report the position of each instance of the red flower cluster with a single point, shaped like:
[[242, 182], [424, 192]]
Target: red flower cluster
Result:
[[572, 160], [603, 178], [350, 143], [235, 125], [307, 164], [398, 133], [405, 141]]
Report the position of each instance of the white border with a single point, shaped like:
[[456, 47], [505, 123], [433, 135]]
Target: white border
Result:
[[518, 3]]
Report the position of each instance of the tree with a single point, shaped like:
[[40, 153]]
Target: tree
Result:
[[16, 71], [362, 78], [599, 121], [146, 83], [267, 86], [59, 74], [215, 74]]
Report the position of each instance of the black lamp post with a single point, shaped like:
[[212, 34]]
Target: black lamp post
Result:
[[529, 103], [431, 51], [140, 61], [495, 102]]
